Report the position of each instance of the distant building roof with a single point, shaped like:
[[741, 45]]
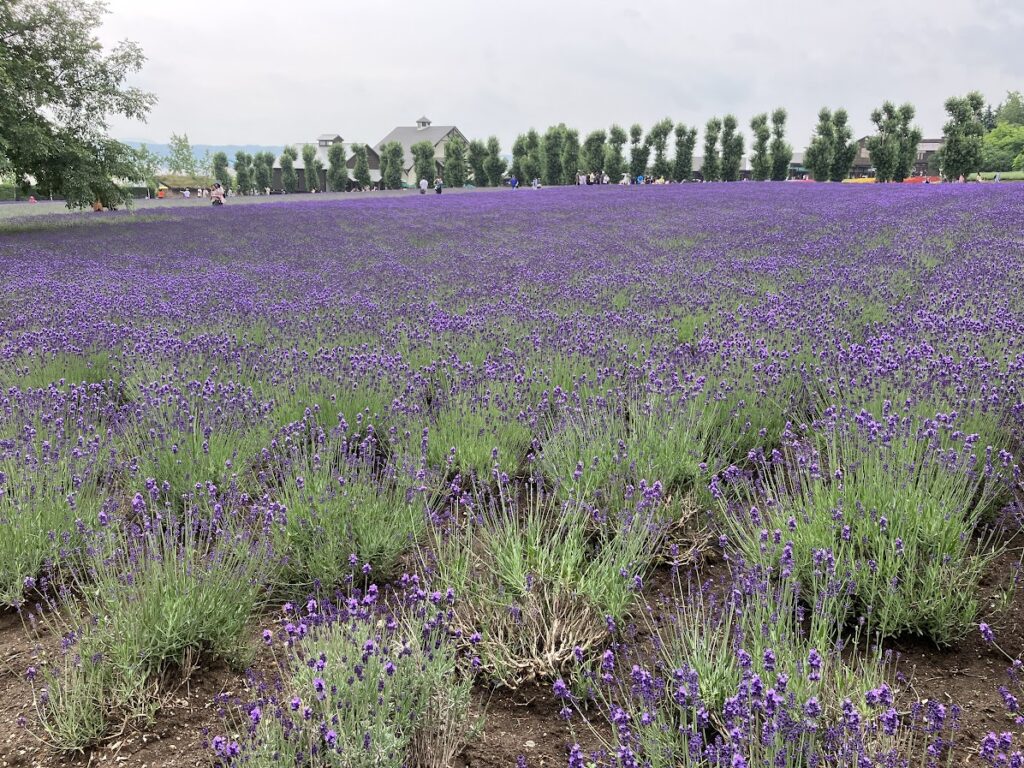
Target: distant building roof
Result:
[[407, 135], [332, 137]]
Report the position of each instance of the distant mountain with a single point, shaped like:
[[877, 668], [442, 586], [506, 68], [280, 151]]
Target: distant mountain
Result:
[[163, 150]]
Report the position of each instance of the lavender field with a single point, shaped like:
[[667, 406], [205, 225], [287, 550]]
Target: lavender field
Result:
[[712, 475]]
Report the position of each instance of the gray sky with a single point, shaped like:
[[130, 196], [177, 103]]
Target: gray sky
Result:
[[264, 72]]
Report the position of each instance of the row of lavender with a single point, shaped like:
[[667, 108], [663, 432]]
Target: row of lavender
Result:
[[470, 430]]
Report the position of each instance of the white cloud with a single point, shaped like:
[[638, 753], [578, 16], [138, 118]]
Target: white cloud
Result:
[[271, 72]]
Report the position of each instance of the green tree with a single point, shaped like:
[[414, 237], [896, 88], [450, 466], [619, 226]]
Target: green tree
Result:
[[519, 155], [148, 164], [533, 162], [475, 158], [821, 150], [494, 164], [181, 159], [392, 160], [1012, 110], [614, 163], [361, 172], [219, 164], [712, 166], [893, 148], [964, 135], [455, 168], [592, 152], [988, 119], [337, 168], [243, 172], [263, 171], [551, 155], [782, 152], [423, 161], [732, 149], [309, 174], [761, 162], [58, 88], [639, 151], [686, 142], [661, 168], [570, 155], [844, 148], [289, 179], [1000, 147]]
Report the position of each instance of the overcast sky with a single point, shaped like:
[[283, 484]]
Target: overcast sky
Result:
[[266, 72]]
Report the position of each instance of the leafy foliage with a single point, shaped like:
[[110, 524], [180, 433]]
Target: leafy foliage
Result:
[[711, 171], [732, 149], [893, 148], [782, 153], [57, 89], [456, 171], [761, 162], [686, 142]]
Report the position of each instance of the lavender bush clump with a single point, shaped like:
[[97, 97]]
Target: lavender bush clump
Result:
[[359, 685]]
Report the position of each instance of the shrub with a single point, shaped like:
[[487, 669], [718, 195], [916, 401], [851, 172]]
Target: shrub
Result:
[[541, 583], [151, 597], [360, 687], [336, 506], [884, 506]]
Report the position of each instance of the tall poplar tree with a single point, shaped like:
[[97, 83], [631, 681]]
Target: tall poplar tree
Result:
[[570, 155], [592, 153], [711, 170], [337, 168], [361, 172], [614, 163], [844, 148], [732, 149], [289, 179], [761, 162], [455, 168], [821, 150], [494, 163], [475, 157], [551, 154], [782, 152], [686, 142]]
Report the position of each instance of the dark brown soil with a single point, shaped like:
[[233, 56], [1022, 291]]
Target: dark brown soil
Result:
[[517, 723]]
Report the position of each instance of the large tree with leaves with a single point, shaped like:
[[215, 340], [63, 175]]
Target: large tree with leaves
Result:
[[551, 154], [455, 169], [639, 151], [732, 149], [893, 148], [614, 163], [243, 172], [519, 155], [219, 164], [761, 161], [289, 179], [686, 142], [476, 156], [494, 163], [149, 164], [392, 160], [423, 161], [782, 152], [263, 171], [337, 168], [361, 171], [592, 152], [658, 137], [570, 155], [181, 159], [963, 134], [821, 150], [58, 88], [712, 165], [309, 174], [844, 148]]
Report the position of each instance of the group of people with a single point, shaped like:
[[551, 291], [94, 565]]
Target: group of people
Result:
[[425, 185]]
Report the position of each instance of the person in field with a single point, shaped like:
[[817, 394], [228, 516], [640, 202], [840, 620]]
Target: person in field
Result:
[[423, 185]]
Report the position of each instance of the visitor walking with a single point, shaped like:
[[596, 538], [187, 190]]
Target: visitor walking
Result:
[[217, 194], [438, 183], [423, 185], [513, 182]]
